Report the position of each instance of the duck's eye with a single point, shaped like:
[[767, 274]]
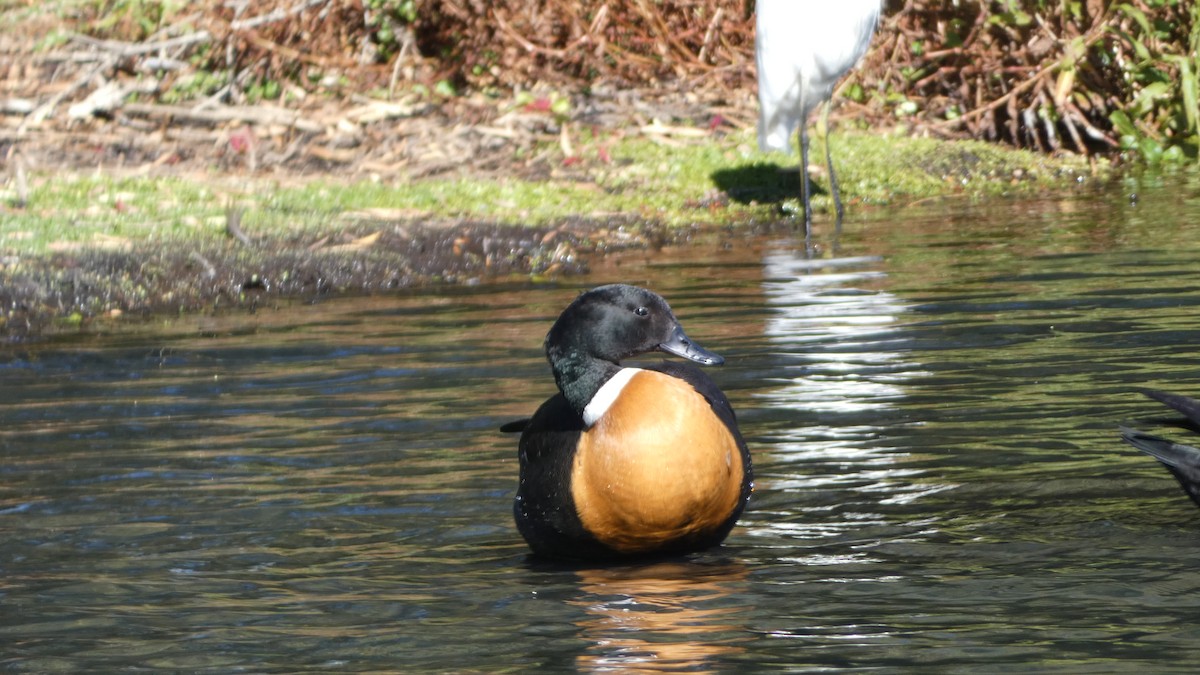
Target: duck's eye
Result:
[[641, 311]]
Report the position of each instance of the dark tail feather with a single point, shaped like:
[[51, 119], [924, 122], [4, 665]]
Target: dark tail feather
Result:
[[515, 427], [1182, 457], [1190, 407], [1183, 461]]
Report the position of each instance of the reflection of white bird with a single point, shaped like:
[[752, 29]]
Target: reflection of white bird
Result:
[[803, 48], [839, 361]]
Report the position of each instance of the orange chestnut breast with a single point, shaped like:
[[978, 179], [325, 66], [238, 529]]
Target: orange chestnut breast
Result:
[[657, 466]]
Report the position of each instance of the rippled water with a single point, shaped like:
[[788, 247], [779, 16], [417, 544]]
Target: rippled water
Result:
[[931, 407]]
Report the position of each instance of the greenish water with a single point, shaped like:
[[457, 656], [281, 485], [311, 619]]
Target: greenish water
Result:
[[932, 408]]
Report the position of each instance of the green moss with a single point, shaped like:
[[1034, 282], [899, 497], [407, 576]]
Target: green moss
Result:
[[66, 209], [676, 183], [725, 181]]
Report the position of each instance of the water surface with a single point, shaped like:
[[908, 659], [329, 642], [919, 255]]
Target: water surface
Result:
[[931, 406]]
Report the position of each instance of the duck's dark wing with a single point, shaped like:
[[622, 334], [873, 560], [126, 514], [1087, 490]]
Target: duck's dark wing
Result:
[[1190, 407], [544, 508], [1183, 461]]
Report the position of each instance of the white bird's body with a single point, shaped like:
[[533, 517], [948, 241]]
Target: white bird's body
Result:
[[803, 47]]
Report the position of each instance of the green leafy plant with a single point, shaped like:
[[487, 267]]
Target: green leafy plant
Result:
[[130, 20], [199, 83], [386, 21], [1159, 121]]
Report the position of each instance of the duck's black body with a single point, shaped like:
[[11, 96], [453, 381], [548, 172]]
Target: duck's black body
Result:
[[1183, 461], [628, 462]]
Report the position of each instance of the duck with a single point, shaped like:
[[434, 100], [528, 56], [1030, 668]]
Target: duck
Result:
[[628, 461], [1183, 461]]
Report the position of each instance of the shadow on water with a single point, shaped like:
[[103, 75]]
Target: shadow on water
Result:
[[932, 413]]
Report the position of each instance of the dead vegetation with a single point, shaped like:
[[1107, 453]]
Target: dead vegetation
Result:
[[413, 86]]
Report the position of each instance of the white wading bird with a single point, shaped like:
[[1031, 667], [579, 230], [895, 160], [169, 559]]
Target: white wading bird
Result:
[[803, 48]]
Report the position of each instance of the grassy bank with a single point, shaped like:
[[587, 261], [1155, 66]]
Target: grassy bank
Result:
[[665, 182], [108, 242]]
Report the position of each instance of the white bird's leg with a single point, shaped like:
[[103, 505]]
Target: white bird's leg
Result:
[[805, 183], [833, 186]]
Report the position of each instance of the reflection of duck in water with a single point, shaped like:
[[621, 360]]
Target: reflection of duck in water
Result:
[[1183, 461], [628, 461], [666, 617]]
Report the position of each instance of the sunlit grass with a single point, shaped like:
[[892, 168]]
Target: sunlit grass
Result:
[[669, 182]]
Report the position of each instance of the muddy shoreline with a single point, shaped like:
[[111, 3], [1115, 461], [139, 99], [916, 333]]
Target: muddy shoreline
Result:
[[66, 292]]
